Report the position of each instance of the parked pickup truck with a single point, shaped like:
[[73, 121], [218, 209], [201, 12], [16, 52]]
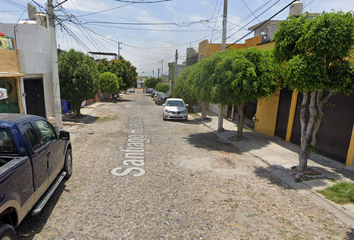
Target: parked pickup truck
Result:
[[34, 158]]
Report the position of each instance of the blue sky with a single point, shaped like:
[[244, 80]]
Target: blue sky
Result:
[[150, 33]]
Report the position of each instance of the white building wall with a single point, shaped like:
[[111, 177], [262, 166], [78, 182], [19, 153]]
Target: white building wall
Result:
[[213, 108], [34, 56]]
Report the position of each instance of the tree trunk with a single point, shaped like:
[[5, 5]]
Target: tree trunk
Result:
[[309, 130], [204, 116], [76, 109], [240, 120]]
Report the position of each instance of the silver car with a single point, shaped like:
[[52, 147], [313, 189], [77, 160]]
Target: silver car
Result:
[[174, 108]]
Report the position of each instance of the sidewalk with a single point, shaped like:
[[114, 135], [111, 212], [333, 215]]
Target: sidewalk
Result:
[[277, 155]]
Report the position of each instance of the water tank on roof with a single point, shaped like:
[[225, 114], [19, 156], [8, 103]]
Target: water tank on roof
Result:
[[41, 19], [296, 9]]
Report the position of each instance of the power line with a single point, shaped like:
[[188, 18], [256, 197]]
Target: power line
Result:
[[262, 23], [250, 10]]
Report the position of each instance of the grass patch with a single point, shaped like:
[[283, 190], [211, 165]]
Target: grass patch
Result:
[[245, 129], [195, 115], [340, 193]]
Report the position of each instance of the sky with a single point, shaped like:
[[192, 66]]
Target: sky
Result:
[[150, 31]]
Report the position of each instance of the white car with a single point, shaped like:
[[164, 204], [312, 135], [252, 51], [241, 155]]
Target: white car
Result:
[[174, 108]]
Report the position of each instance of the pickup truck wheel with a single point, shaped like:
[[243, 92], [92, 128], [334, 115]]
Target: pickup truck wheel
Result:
[[68, 165], [7, 232]]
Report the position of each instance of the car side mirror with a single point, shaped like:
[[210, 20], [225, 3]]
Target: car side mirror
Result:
[[64, 135], [163, 104], [186, 105]]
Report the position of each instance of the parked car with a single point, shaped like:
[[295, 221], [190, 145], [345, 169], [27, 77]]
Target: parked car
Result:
[[157, 95], [132, 90], [174, 108], [161, 99], [153, 93], [149, 90], [34, 159]]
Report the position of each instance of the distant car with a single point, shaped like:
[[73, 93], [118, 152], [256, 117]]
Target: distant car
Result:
[[174, 108], [149, 90], [161, 99], [132, 90], [153, 93]]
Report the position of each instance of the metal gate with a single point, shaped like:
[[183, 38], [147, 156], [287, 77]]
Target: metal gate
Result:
[[334, 135], [35, 96], [283, 113]]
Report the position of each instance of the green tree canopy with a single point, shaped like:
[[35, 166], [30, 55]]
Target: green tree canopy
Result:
[[184, 86], [243, 75], [78, 76], [160, 87], [123, 69], [317, 53], [109, 83], [151, 82]]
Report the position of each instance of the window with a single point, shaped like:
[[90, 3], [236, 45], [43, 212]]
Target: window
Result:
[[47, 130], [32, 137]]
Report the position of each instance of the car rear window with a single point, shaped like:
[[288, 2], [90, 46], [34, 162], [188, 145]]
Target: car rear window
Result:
[[7, 144]]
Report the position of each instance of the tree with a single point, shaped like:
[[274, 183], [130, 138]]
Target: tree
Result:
[[243, 75], [316, 52], [124, 70], [78, 77], [184, 86], [109, 83], [151, 82], [160, 87]]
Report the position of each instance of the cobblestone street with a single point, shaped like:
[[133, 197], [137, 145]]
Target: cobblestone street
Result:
[[188, 184]]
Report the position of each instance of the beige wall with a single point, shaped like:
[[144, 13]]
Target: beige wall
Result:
[[8, 61]]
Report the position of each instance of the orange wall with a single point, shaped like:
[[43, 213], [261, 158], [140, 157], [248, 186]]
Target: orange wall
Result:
[[209, 49]]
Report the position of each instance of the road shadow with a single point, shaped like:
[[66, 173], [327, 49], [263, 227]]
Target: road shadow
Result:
[[350, 235], [87, 119], [31, 225], [210, 141]]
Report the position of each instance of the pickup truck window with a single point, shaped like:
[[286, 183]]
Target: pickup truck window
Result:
[[47, 130], [7, 144], [32, 136]]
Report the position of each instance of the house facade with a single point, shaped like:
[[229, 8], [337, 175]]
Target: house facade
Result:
[[141, 81], [10, 84], [35, 86]]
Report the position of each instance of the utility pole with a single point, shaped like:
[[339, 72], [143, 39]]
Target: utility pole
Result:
[[223, 47], [55, 72], [158, 72], [162, 72], [153, 73], [119, 48], [175, 77]]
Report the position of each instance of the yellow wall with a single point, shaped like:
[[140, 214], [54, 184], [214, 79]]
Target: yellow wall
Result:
[[266, 115], [291, 118]]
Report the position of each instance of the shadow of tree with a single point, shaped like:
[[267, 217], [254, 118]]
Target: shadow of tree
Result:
[[211, 142], [84, 119]]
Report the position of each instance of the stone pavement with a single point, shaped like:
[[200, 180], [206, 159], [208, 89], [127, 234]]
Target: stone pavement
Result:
[[276, 155], [280, 155]]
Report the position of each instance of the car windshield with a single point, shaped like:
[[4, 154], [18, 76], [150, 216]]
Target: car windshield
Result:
[[7, 145], [175, 103]]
